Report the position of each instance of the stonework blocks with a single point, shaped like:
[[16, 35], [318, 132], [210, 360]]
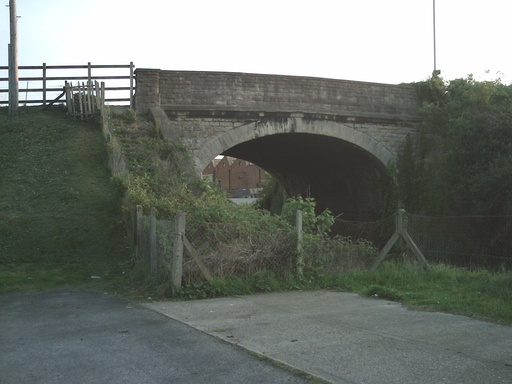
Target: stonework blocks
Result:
[[214, 111], [275, 93]]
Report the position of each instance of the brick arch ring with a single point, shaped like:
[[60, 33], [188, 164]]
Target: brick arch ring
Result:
[[259, 129]]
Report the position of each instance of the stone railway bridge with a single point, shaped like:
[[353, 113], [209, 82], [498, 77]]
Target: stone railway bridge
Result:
[[330, 139]]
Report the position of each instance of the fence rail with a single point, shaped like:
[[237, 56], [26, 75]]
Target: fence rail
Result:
[[48, 87]]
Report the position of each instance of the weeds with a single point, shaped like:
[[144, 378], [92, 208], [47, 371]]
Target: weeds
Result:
[[481, 294]]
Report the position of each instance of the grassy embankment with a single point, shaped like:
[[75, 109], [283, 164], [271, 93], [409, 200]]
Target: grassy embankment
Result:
[[60, 224], [59, 213]]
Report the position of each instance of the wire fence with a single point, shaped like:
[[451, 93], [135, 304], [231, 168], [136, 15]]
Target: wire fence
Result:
[[473, 242], [226, 250], [164, 240], [376, 232]]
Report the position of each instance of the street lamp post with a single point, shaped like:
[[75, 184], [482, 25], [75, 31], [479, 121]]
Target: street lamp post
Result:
[[436, 72]]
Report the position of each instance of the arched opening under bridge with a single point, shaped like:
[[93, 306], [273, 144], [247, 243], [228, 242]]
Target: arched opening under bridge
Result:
[[344, 169], [339, 175]]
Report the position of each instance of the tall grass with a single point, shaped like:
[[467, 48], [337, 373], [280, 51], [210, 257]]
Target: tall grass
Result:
[[483, 294]]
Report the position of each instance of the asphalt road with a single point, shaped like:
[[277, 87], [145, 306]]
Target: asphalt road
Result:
[[73, 336]]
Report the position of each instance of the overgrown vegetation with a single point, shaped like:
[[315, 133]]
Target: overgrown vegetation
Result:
[[331, 263], [461, 163], [60, 220]]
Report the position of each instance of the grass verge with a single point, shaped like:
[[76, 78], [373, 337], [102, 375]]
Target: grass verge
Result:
[[59, 213], [481, 294]]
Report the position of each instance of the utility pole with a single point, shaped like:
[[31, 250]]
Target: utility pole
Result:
[[13, 61]]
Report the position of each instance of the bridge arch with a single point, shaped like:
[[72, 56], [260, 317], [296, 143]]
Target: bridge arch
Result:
[[328, 138], [258, 129], [342, 168]]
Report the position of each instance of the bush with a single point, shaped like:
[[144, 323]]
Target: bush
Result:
[[462, 160], [311, 222]]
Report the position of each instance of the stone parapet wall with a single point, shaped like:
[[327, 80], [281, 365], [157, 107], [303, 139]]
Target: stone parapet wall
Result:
[[273, 93], [147, 89]]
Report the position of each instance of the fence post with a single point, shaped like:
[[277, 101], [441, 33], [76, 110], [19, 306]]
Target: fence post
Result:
[[89, 71], [102, 101], [44, 84], [69, 97], [97, 95], [383, 253], [153, 255], [400, 231], [90, 108], [410, 242], [131, 85], [80, 101], [177, 249], [137, 215], [300, 236]]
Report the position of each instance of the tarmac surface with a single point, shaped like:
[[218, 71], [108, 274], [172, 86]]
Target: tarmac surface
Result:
[[71, 336], [345, 338], [74, 336]]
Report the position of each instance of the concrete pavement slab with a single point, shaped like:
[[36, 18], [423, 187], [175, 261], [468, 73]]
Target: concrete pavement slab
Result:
[[346, 338]]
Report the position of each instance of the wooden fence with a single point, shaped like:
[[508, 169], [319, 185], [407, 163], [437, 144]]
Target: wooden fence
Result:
[[50, 83], [167, 242], [83, 99]]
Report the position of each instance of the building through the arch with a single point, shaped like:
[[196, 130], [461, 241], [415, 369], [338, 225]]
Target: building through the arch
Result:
[[240, 178]]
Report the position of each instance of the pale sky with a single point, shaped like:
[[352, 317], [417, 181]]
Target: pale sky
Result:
[[386, 41]]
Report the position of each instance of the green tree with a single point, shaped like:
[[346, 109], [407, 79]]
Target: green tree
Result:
[[468, 156], [406, 175]]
